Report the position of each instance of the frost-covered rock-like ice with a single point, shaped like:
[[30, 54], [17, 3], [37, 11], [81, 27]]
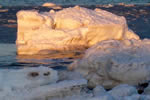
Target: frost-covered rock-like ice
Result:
[[99, 90], [26, 78], [147, 90], [114, 62], [123, 90], [69, 29]]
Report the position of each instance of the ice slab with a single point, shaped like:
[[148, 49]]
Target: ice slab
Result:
[[69, 29], [114, 62]]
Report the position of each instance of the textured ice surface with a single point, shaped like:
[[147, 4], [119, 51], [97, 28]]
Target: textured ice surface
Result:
[[17, 85], [123, 90], [26, 78], [69, 29], [37, 83], [112, 62], [57, 90]]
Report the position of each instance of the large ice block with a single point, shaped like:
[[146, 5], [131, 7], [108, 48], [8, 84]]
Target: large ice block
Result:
[[69, 29]]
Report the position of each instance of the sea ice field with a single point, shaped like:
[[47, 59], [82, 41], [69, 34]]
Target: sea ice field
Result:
[[116, 69]]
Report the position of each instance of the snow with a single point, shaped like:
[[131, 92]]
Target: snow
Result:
[[147, 90], [114, 62], [27, 77], [123, 90], [36, 83], [69, 29], [61, 89], [99, 90], [22, 85], [16, 83]]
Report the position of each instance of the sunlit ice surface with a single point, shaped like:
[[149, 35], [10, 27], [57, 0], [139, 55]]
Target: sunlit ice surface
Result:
[[137, 18]]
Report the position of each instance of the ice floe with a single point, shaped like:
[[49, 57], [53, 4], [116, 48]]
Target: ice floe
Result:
[[74, 28]]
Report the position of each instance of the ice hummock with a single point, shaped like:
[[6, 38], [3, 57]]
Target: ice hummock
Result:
[[26, 84], [36, 83], [26, 78], [70, 29], [114, 62]]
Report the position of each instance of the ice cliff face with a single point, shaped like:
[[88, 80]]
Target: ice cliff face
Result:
[[69, 29], [113, 62]]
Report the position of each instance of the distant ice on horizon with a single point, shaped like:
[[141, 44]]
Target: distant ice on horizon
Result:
[[68, 2]]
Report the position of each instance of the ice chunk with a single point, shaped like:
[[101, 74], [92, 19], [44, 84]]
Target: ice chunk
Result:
[[44, 92], [51, 5], [123, 90], [69, 29], [114, 62], [26, 78], [99, 90]]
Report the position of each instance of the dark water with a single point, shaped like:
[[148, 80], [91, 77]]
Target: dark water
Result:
[[138, 19]]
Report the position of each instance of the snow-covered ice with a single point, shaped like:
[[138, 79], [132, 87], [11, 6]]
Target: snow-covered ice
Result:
[[32, 84], [113, 62], [123, 90], [26, 78], [37, 83], [69, 29], [118, 59]]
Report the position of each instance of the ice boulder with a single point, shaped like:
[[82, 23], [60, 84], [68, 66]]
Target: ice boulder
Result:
[[12, 79], [123, 90], [69, 29], [114, 62], [99, 91]]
